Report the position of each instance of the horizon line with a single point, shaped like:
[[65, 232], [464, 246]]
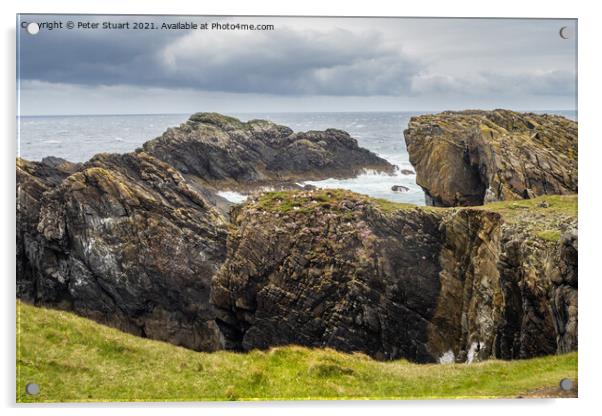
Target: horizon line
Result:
[[288, 112]]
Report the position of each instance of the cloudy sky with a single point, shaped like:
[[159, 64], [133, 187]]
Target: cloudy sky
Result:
[[304, 64]]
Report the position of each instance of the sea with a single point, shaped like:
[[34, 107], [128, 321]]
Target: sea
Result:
[[78, 138]]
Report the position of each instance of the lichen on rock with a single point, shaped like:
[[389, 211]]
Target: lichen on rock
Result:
[[137, 242], [231, 154], [125, 241], [336, 269], [474, 157]]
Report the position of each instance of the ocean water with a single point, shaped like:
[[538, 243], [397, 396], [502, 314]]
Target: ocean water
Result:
[[78, 138]]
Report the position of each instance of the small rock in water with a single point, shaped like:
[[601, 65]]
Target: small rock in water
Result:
[[407, 172], [399, 188]]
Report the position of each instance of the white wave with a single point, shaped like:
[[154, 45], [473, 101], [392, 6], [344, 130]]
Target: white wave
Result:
[[234, 197], [377, 185]]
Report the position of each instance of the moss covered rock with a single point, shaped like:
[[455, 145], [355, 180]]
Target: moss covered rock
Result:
[[475, 157], [337, 269], [231, 154], [123, 240]]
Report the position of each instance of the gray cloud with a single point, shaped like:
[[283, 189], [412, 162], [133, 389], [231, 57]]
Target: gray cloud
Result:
[[330, 62], [334, 62], [426, 62]]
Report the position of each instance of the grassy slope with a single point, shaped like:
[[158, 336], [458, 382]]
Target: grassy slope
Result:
[[75, 359]]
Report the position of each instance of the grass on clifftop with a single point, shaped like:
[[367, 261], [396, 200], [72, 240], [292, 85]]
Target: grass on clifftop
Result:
[[76, 360], [545, 216], [305, 201], [301, 200], [549, 204]]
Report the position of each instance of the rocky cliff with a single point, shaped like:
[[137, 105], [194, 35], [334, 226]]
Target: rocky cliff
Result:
[[130, 241], [335, 269], [122, 240], [475, 157], [136, 241], [230, 154]]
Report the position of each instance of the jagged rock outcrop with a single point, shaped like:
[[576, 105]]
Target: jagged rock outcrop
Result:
[[474, 157], [33, 180], [236, 155], [135, 241], [564, 290], [122, 240], [131, 241], [335, 269]]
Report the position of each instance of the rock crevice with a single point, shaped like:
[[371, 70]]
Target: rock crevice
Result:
[[475, 157], [335, 269]]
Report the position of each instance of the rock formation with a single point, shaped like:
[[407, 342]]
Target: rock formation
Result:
[[130, 241], [475, 157], [335, 269], [399, 188], [231, 154], [122, 240], [136, 240]]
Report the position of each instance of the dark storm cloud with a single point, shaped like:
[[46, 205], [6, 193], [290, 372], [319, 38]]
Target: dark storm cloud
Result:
[[333, 62], [339, 63], [91, 57]]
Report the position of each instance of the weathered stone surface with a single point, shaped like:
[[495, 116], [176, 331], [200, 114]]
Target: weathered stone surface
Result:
[[334, 269], [33, 180], [500, 264], [231, 154], [564, 292], [475, 157], [124, 241], [130, 241]]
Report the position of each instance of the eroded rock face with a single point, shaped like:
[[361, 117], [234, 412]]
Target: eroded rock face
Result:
[[334, 269], [134, 240], [342, 276], [475, 157], [501, 288], [131, 241], [125, 241], [564, 291], [33, 180], [232, 154]]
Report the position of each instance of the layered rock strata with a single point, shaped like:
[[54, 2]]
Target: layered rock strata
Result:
[[475, 157]]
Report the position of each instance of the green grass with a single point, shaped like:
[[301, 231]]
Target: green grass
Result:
[[306, 201], [550, 205], [76, 360], [549, 235]]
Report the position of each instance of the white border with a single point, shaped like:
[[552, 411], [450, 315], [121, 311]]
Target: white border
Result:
[[589, 208]]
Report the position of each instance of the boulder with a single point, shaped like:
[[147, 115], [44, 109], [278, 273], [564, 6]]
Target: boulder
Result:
[[475, 157], [399, 188]]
